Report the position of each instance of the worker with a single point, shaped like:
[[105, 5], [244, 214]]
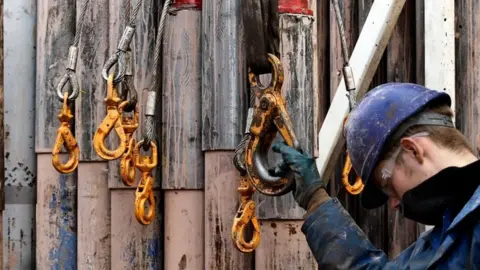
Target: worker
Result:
[[403, 144]]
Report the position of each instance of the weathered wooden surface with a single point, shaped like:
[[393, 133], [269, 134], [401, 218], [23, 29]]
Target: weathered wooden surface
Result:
[[467, 69], [19, 128], [221, 204], [135, 246], [283, 246], [296, 53], [93, 53], [184, 229], [348, 10], [93, 216], [223, 75], [315, 71], [56, 240], [323, 71], [182, 156]]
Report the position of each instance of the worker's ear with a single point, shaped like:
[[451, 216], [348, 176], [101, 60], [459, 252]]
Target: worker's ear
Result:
[[413, 148]]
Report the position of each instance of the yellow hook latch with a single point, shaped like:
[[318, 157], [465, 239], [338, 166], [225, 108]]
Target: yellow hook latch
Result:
[[111, 121], [65, 138]]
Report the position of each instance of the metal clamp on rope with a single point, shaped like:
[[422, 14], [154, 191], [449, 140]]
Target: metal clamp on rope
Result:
[[65, 138], [357, 187], [128, 87], [69, 76], [127, 163], [112, 121], [269, 117], [245, 215], [144, 192], [119, 55]]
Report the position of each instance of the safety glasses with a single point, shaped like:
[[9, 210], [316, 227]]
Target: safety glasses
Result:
[[389, 166]]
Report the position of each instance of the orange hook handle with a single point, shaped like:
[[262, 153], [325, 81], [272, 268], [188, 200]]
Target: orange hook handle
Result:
[[65, 138], [109, 123]]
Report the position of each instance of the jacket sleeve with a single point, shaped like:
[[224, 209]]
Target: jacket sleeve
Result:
[[338, 243]]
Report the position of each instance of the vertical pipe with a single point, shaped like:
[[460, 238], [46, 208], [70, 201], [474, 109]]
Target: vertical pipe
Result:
[[2, 162], [133, 245], [56, 239], [20, 167], [440, 49], [223, 122], [93, 198], [183, 166], [284, 215]]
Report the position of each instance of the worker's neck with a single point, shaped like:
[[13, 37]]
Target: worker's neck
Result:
[[445, 158]]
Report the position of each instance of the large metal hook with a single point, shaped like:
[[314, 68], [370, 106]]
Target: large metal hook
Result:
[[270, 117], [111, 122], [65, 138]]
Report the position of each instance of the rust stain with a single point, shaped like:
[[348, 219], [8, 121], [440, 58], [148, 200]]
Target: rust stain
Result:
[[291, 229], [183, 263]]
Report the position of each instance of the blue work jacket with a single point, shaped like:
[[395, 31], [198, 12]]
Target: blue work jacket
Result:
[[338, 243]]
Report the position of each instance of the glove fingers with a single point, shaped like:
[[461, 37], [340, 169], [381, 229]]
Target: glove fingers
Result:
[[280, 147]]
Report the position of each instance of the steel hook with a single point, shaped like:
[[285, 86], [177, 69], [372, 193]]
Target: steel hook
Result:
[[111, 122], [358, 186], [144, 192], [270, 117], [127, 163], [245, 215], [65, 138]]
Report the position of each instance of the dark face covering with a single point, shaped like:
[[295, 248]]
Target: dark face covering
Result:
[[450, 189]]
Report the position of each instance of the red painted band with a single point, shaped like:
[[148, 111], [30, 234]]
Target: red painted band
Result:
[[187, 3], [294, 6]]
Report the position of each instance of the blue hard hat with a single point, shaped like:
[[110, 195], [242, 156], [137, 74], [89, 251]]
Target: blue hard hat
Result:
[[374, 120]]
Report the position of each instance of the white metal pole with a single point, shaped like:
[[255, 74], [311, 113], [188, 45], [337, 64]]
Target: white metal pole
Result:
[[364, 61]]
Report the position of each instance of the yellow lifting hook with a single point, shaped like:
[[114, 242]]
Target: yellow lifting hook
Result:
[[127, 163], [65, 138], [111, 121], [357, 187], [245, 214], [269, 117], [144, 192]]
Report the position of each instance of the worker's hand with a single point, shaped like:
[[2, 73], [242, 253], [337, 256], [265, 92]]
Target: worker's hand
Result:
[[307, 178]]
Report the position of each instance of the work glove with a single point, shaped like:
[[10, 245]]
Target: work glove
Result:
[[307, 178]]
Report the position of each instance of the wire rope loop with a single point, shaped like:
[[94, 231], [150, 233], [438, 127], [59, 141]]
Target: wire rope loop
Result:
[[69, 77], [118, 59]]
